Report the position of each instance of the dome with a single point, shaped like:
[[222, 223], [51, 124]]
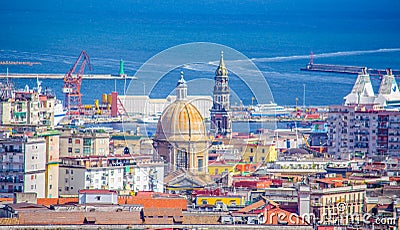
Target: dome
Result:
[[181, 121]]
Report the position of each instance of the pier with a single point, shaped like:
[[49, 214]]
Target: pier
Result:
[[61, 76], [328, 68]]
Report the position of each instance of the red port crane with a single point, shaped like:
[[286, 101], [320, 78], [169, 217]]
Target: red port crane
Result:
[[72, 84]]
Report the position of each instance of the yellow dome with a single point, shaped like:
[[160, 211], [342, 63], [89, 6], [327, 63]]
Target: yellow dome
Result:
[[181, 121]]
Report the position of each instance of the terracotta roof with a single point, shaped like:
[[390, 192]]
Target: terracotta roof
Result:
[[162, 212], [114, 217], [47, 201], [161, 202], [27, 207], [254, 206], [68, 200], [159, 221], [71, 218], [196, 218], [49, 218]]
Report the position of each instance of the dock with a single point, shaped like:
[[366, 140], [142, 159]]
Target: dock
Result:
[[61, 76], [329, 68]]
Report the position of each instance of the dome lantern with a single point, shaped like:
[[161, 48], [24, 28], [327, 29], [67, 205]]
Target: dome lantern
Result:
[[181, 89]]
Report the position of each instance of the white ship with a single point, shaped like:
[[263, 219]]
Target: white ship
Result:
[[59, 112], [268, 110], [153, 119]]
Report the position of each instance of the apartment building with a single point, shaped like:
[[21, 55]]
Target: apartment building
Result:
[[83, 142], [117, 172], [28, 108], [333, 201], [363, 130], [23, 165]]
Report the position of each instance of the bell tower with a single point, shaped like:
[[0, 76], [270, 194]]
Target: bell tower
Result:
[[221, 123]]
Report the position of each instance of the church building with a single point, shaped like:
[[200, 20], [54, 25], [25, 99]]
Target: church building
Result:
[[181, 138]]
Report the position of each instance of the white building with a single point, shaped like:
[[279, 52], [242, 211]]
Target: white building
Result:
[[95, 196], [143, 105], [148, 176], [122, 172], [72, 179]]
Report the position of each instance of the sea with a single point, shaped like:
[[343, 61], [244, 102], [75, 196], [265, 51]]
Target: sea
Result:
[[276, 35]]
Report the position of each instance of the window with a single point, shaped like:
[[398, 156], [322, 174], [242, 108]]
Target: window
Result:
[[138, 178], [77, 150], [87, 141], [204, 202], [70, 150], [200, 164], [262, 150], [233, 203], [86, 150], [70, 140], [50, 186], [181, 159], [251, 159], [251, 150], [77, 141]]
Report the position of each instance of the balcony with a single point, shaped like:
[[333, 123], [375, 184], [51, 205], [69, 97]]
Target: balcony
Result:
[[10, 190], [11, 170]]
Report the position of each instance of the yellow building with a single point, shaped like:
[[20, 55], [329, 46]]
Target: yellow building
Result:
[[218, 168], [229, 201], [255, 153]]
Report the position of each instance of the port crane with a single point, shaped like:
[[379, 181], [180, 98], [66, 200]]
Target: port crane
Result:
[[73, 82], [329, 68]]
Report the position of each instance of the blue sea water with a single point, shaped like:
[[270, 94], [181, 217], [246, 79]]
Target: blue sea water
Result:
[[277, 35]]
